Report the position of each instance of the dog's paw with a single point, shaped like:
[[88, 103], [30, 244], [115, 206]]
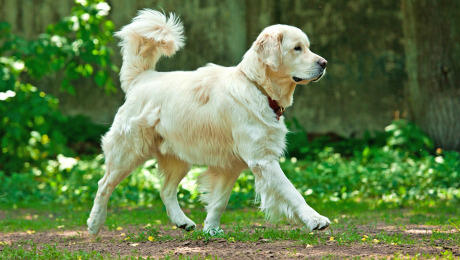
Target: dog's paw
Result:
[[187, 225], [96, 220], [93, 226], [317, 222], [215, 231]]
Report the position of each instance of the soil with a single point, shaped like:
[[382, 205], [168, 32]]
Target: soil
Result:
[[111, 242]]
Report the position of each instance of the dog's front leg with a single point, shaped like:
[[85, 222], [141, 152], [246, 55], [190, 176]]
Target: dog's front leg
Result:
[[279, 197]]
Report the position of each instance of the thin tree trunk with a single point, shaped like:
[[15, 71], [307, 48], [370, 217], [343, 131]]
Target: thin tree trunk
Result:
[[432, 45]]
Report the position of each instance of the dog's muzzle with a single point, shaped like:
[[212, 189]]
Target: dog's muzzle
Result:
[[317, 78], [320, 76], [296, 79]]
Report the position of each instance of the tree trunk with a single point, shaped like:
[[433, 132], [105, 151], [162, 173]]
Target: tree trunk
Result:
[[432, 45]]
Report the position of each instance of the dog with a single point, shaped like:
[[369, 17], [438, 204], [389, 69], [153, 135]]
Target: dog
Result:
[[228, 118]]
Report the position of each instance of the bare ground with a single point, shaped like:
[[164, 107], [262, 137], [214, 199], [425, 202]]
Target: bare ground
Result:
[[113, 243]]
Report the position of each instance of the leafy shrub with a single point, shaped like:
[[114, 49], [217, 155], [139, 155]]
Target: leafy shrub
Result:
[[397, 166], [71, 180], [403, 135], [400, 135], [33, 130], [27, 132], [301, 144], [384, 174], [21, 188], [83, 136], [379, 173], [77, 46]]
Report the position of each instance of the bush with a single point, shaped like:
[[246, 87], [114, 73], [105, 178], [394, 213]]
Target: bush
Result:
[[83, 136], [380, 174], [27, 132], [77, 46], [387, 173], [398, 166], [33, 130]]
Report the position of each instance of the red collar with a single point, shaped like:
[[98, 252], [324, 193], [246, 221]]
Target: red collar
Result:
[[275, 106], [279, 110]]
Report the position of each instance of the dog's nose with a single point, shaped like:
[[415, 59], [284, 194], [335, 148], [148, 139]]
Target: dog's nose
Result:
[[322, 62]]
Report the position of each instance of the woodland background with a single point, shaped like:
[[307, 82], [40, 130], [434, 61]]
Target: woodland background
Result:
[[382, 125], [387, 59]]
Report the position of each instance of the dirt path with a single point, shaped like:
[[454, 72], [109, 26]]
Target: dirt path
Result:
[[113, 243]]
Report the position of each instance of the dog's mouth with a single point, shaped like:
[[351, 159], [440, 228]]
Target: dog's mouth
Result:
[[316, 79], [304, 80], [319, 77], [297, 79]]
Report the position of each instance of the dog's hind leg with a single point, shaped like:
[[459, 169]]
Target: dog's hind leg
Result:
[[216, 185], [174, 170], [120, 161]]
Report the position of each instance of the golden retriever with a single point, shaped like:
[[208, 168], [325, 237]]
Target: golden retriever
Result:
[[228, 118]]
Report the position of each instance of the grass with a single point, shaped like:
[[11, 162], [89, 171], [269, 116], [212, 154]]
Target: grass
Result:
[[38, 217], [52, 252], [352, 224]]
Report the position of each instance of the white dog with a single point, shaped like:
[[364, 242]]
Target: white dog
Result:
[[229, 118]]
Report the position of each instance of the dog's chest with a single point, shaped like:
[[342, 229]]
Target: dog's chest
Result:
[[220, 145]]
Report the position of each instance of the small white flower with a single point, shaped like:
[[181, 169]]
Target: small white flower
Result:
[[82, 2], [75, 26], [439, 159], [103, 8], [76, 45], [56, 40], [308, 192], [75, 23], [18, 65], [7, 94], [85, 16], [293, 160], [66, 162]]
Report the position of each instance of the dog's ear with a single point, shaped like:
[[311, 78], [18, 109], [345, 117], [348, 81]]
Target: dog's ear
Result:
[[268, 47]]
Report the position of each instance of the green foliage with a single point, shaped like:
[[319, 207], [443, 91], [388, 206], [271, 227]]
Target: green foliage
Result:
[[32, 129], [28, 116], [46, 252], [379, 170], [400, 135], [398, 166], [71, 180], [378, 173], [75, 47], [83, 136], [403, 135], [146, 227]]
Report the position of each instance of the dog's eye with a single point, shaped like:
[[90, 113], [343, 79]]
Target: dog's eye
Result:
[[297, 48]]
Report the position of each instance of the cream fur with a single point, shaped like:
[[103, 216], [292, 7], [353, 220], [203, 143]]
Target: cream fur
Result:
[[213, 116]]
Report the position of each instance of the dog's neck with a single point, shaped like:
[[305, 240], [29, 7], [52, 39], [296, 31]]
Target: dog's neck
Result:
[[280, 87], [277, 85]]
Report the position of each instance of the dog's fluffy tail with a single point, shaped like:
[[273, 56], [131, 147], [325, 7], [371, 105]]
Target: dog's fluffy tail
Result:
[[149, 36]]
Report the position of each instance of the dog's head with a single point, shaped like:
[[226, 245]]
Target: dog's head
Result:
[[285, 50]]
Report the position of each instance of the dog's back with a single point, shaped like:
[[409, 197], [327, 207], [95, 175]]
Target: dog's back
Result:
[[188, 112]]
